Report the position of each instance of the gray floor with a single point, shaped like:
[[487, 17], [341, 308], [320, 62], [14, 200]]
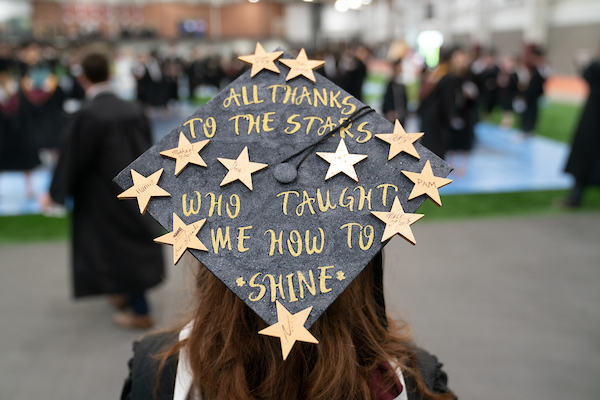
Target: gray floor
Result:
[[511, 306]]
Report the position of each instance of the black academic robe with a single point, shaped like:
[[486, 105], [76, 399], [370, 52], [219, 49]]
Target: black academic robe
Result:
[[395, 99], [436, 112], [141, 383], [532, 94], [113, 249], [584, 160]]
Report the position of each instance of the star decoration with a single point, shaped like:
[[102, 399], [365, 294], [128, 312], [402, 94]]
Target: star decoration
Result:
[[240, 169], [397, 222], [290, 328], [301, 66], [262, 60], [144, 188], [183, 237], [240, 281], [341, 161], [186, 153], [426, 183], [400, 141], [340, 276]]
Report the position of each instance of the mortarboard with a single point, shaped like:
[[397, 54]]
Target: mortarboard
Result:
[[285, 187]]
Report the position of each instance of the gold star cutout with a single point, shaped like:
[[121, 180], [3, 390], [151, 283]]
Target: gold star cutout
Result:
[[397, 222], [262, 60], [341, 161], [183, 237], [400, 141], [144, 188], [340, 276], [240, 169], [290, 328], [426, 183], [301, 66], [240, 281], [186, 153]]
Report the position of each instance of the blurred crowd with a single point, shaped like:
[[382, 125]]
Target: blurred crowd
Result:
[[39, 89]]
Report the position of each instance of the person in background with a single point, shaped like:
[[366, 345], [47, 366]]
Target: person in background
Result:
[[508, 88], [462, 129], [395, 99], [437, 109], [584, 160], [112, 244], [533, 89]]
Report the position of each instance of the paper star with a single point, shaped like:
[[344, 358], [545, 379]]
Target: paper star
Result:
[[400, 141], [397, 222], [240, 169], [426, 183], [262, 60], [144, 188], [341, 161], [186, 153], [183, 237], [301, 66], [290, 328], [340, 276], [240, 281]]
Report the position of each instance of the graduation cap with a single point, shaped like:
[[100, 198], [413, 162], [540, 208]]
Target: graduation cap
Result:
[[285, 187]]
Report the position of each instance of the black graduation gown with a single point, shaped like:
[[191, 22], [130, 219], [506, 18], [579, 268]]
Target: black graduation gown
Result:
[[143, 370], [395, 99], [436, 111], [534, 91], [584, 160], [113, 248], [42, 122], [17, 151]]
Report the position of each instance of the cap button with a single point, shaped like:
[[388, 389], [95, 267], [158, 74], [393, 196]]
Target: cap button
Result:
[[285, 172]]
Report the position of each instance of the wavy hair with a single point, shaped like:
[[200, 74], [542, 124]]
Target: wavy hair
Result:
[[230, 360]]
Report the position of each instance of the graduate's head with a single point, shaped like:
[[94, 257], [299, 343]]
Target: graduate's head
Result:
[[95, 68]]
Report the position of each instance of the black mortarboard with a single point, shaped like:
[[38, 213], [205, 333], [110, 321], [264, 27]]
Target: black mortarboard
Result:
[[285, 187]]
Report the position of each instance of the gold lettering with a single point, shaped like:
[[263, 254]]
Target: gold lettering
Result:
[[329, 124], [290, 278], [327, 205], [311, 288], [234, 200], [363, 197], [274, 286], [305, 95], [190, 122], [266, 120], [322, 279], [313, 249], [289, 92], [261, 291], [369, 235], [368, 134], [219, 240], [310, 122], [297, 126], [306, 200], [232, 96], [214, 204], [274, 240], [350, 203], [212, 124], [274, 91], [241, 237], [187, 212], [385, 187], [318, 97], [345, 130], [285, 198], [333, 100], [297, 240], [351, 106], [349, 226]]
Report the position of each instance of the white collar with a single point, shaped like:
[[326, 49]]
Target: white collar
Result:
[[183, 379], [98, 88]]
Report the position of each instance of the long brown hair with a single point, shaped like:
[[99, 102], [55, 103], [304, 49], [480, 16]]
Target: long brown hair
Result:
[[230, 360]]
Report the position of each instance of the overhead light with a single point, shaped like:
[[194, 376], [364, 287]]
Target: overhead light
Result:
[[354, 4], [308, 1], [366, 2], [341, 5], [253, 1]]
